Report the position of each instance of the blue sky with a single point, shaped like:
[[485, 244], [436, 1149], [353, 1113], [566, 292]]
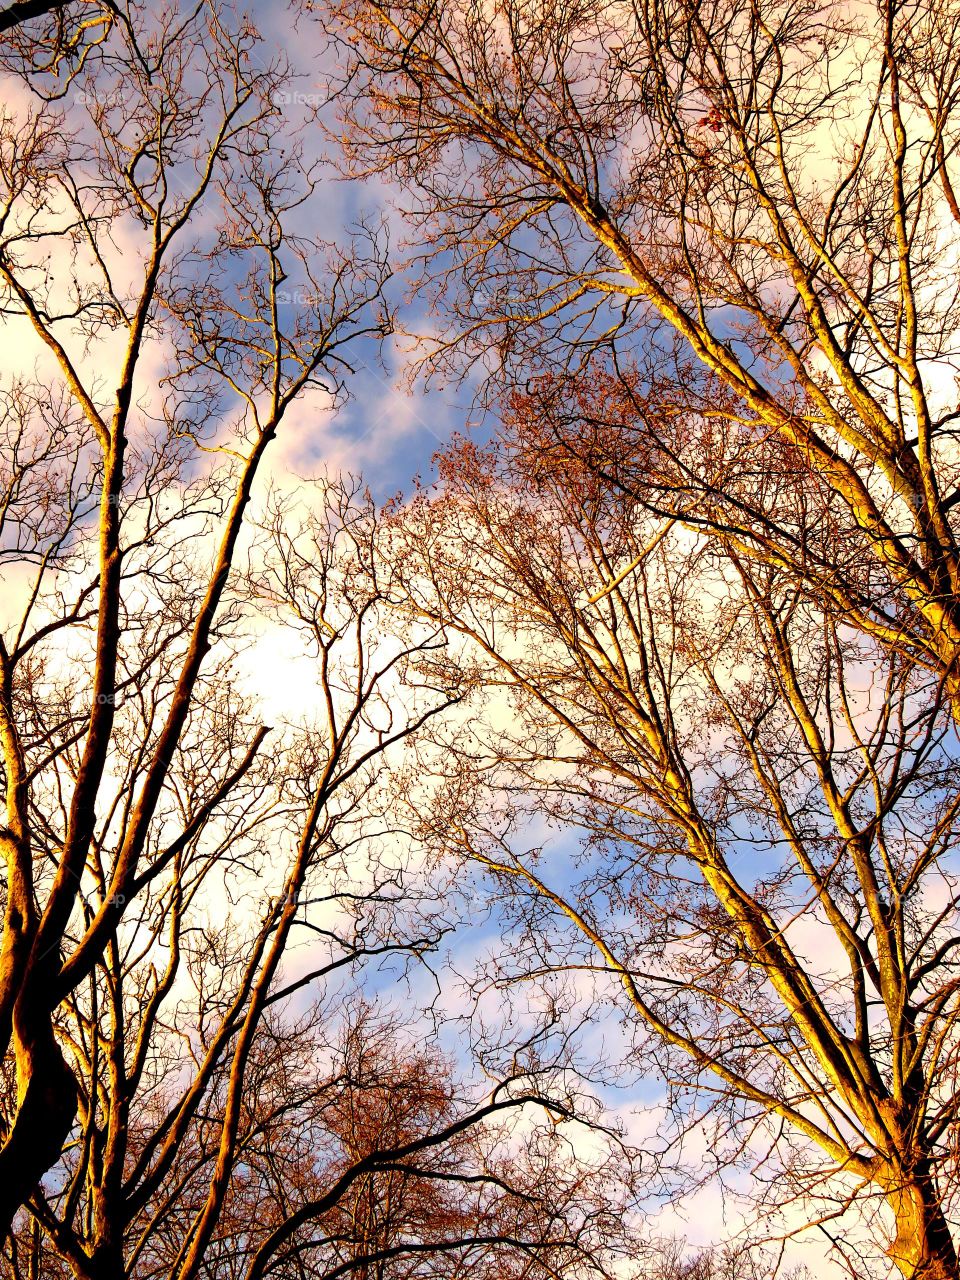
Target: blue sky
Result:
[[388, 432]]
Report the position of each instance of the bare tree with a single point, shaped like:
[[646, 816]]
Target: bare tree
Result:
[[768, 805], [704, 248], [484, 1201], [743, 213], [26, 10], [161, 220], [674, 1261], [53, 38], [189, 893]]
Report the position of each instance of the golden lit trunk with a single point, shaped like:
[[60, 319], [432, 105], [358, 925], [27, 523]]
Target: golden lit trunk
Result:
[[46, 1110], [923, 1248]]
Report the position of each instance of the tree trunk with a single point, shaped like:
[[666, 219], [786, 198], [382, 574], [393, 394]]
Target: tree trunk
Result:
[[923, 1248], [47, 1095]]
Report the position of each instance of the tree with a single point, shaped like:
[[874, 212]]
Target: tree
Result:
[[54, 37], [702, 249], [124, 749], [487, 1202], [169, 1042], [743, 213], [768, 806], [674, 1262], [27, 10]]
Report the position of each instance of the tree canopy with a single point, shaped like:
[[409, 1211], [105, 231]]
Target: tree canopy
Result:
[[653, 687]]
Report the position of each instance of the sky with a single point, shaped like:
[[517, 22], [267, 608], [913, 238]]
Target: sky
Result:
[[387, 432], [391, 426]]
